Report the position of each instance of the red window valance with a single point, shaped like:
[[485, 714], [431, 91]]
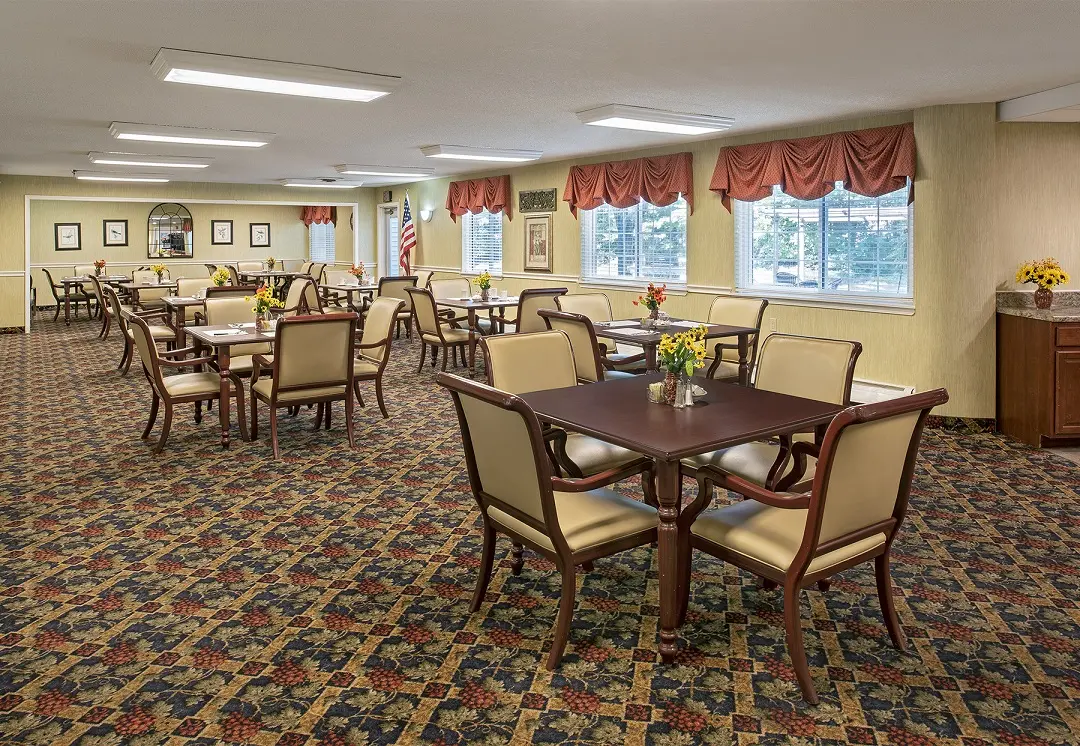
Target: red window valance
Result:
[[658, 180], [320, 215], [869, 162], [474, 195]]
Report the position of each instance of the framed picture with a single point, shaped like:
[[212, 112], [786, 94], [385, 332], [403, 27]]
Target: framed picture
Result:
[[537, 200], [68, 236], [221, 233], [260, 235], [538, 243], [114, 233]]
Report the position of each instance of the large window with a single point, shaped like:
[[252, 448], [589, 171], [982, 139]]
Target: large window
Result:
[[841, 244], [481, 242], [321, 243], [633, 245]]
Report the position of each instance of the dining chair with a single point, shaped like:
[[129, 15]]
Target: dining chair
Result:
[[236, 310], [316, 270], [436, 332], [530, 300], [331, 297], [539, 361], [597, 307], [810, 367], [423, 278], [301, 299], [722, 360], [210, 269], [851, 515], [234, 276], [186, 287], [373, 350], [107, 312], [84, 270], [76, 295], [569, 522], [250, 267], [121, 314], [312, 364], [231, 291], [150, 298], [588, 354], [394, 287], [183, 388], [451, 287], [305, 268]]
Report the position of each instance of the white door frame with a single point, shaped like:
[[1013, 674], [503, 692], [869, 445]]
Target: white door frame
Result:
[[384, 259]]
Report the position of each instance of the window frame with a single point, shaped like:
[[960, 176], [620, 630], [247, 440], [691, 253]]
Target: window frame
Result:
[[468, 267], [587, 227]]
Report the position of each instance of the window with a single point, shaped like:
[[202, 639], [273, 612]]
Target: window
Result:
[[481, 242], [321, 243], [841, 244], [634, 245]]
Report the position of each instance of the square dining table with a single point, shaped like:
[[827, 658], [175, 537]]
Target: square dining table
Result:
[[728, 414], [632, 332], [472, 307], [84, 280], [177, 307], [135, 287], [350, 290]]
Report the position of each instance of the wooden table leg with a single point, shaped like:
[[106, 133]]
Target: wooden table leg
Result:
[[472, 342], [669, 495], [650, 357], [67, 303], [180, 318], [744, 359], [226, 391]]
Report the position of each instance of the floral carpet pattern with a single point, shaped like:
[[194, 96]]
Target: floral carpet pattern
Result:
[[207, 596]]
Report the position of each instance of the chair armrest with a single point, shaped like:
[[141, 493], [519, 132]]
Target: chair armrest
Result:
[[604, 478], [258, 362], [185, 363], [799, 450], [369, 345], [709, 476], [198, 317], [181, 351], [613, 364]]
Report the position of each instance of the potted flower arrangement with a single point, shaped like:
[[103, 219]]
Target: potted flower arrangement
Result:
[[99, 264], [264, 301], [483, 281], [680, 355], [159, 270], [220, 278], [1047, 274], [271, 262], [357, 271], [653, 298]]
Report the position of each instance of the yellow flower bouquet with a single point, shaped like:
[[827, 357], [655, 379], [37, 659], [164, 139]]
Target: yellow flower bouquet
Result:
[[1047, 274], [680, 355], [483, 281], [264, 301], [220, 278], [271, 262], [159, 270]]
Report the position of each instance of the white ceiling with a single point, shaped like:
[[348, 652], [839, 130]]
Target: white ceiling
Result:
[[502, 73]]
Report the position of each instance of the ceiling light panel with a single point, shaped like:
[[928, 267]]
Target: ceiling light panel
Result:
[[653, 120], [268, 76], [188, 135], [385, 171], [463, 153], [109, 176], [320, 184], [148, 161]]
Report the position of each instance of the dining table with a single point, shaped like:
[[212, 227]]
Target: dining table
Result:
[[472, 306], [633, 331], [134, 288], [728, 414], [82, 281], [176, 306], [221, 339], [350, 290], [279, 278]]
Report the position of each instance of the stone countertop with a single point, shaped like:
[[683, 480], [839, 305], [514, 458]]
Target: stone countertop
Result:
[[1065, 309]]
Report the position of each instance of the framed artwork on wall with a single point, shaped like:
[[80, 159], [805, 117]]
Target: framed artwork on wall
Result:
[[68, 236], [538, 256], [114, 233], [537, 200], [260, 235], [221, 233]]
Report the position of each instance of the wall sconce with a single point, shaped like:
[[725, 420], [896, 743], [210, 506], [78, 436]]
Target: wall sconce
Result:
[[425, 214]]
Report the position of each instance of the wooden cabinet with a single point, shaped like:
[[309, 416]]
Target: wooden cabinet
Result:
[[1038, 380]]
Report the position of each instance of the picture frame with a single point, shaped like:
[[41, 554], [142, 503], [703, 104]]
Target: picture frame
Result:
[[114, 233], [260, 235], [539, 255], [68, 236], [221, 233], [538, 200]]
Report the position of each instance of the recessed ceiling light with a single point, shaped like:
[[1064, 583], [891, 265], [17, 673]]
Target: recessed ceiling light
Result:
[[653, 120], [106, 176], [268, 76], [188, 135], [320, 184], [148, 161], [463, 153], [404, 172]]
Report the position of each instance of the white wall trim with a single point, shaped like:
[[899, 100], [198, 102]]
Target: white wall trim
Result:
[[898, 306], [10, 273]]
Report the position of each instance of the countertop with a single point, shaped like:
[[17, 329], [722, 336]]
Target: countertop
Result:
[[1065, 308]]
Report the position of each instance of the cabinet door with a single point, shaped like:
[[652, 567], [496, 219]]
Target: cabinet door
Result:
[[1067, 393]]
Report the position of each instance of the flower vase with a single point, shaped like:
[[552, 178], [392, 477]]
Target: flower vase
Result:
[[654, 313], [160, 278], [1044, 298], [97, 271], [260, 322], [671, 387], [485, 294]]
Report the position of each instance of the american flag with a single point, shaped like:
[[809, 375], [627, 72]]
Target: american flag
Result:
[[408, 238]]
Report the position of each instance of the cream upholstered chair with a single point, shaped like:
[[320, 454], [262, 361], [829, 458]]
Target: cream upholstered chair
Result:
[[530, 300], [107, 313], [423, 277], [210, 269], [305, 268], [160, 332], [570, 522], [451, 287], [231, 291], [722, 361], [316, 270], [250, 267], [234, 277], [313, 364], [582, 335], [852, 514], [301, 299], [84, 270], [332, 297], [185, 388], [809, 367], [394, 287], [150, 298], [187, 287], [77, 295], [520, 363], [597, 307], [237, 310], [373, 350], [435, 332]]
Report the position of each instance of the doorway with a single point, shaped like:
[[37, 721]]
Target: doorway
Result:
[[389, 225]]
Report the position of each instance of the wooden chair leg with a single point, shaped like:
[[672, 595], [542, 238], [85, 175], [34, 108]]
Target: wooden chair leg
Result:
[[885, 597], [164, 428], [793, 628], [241, 415], [566, 615], [198, 413], [254, 417], [768, 585], [106, 326], [379, 398], [273, 431], [57, 314], [824, 584], [127, 362], [517, 558], [318, 417], [348, 420], [434, 355], [445, 357], [423, 357], [487, 559], [328, 408], [153, 416]]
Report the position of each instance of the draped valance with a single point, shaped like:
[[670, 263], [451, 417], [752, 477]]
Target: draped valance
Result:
[[658, 180], [869, 162], [319, 215], [474, 195]]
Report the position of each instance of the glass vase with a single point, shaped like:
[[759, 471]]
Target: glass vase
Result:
[[1044, 298], [260, 322], [671, 385], [485, 294]]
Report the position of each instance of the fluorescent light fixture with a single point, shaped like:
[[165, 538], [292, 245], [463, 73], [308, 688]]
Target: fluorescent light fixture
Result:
[[188, 135], [268, 76], [320, 184], [463, 153], [653, 120], [106, 176], [390, 171], [148, 161]]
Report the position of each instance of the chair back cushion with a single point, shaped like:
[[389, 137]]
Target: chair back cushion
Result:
[[379, 326], [520, 363], [809, 367], [114, 303], [234, 278], [423, 304], [394, 287], [735, 312], [597, 306], [423, 277], [186, 287], [231, 291], [316, 270], [222, 311], [302, 288], [578, 329], [84, 269], [144, 343], [314, 351], [250, 266], [146, 277], [338, 277], [532, 300], [96, 283], [454, 287], [305, 268]]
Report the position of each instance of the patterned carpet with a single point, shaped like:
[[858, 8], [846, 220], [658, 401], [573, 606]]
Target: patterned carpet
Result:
[[205, 596]]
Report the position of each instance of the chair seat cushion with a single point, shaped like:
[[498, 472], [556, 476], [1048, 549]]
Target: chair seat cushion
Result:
[[159, 332], [593, 456], [243, 363], [726, 370], [263, 386], [453, 336], [187, 384], [587, 519], [487, 328], [751, 461], [619, 360], [364, 367], [770, 535], [615, 375]]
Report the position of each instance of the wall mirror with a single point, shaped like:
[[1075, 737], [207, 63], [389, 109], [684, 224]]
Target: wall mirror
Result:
[[169, 228]]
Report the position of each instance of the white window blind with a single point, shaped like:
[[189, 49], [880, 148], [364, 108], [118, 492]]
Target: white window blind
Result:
[[481, 242], [842, 244], [634, 245], [321, 243]]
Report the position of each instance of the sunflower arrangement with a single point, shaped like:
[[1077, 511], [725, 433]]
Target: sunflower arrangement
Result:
[[683, 352], [1046, 273], [264, 300], [220, 277]]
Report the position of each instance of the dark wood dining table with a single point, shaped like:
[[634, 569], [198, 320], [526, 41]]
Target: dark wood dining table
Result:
[[176, 306], [350, 290], [472, 307], [619, 412], [83, 281], [135, 287], [630, 331]]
